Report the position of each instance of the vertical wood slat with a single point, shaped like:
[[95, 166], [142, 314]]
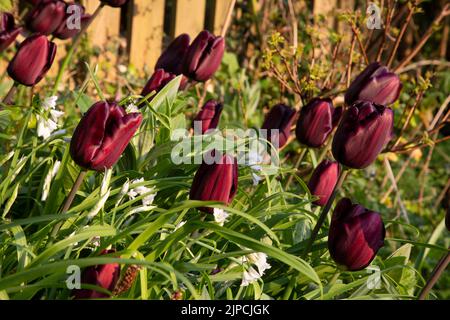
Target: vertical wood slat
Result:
[[189, 17], [220, 14], [145, 36], [105, 26]]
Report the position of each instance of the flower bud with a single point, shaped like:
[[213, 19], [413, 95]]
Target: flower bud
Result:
[[204, 56], [323, 180], [173, 57], [104, 276], [316, 121], [375, 84], [102, 135], [157, 81], [208, 117], [8, 30], [215, 182], [46, 16], [280, 118], [355, 235], [364, 131], [65, 30], [32, 60]]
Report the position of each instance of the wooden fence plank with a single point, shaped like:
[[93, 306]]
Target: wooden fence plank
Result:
[[220, 14], [146, 34], [190, 17], [105, 26]]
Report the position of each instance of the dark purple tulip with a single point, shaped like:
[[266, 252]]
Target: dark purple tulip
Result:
[[208, 117], [32, 60], [364, 131], [280, 118], [104, 276], [316, 121], [323, 181], [8, 30], [355, 236], [102, 135], [46, 17], [375, 84], [157, 81], [447, 219], [204, 56], [63, 32], [114, 3], [173, 57], [215, 182]]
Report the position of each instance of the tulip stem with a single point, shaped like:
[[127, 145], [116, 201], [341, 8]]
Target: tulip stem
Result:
[[9, 98], [437, 272], [297, 164], [324, 212], [69, 200], [73, 47]]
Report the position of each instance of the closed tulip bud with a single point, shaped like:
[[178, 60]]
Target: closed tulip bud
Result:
[[323, 180], [215, 182], [208, 117], [375, 84], [364, 131], [114, 3], [280, 118], [32, 60], [204, 56], [46, 17], [102, 135], [173, 57], [8, 30], [355, 235], [65, 29], [104, 276], [157, 81], [316, 121]]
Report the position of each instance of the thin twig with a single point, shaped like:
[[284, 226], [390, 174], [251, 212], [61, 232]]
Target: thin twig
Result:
[[437, 272]]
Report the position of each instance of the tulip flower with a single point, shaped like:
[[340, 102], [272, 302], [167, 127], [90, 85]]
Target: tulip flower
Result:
[[208, 117], [46, 17], [32, 60], [104, 276], [447, 219], [355, 235], [323, 180], [114, 3], [65, 31], [173, 57], [8, 30], [364, 131], [215, 182], [375, 84], [204, 56], [102, 135], [316, 121], [280, 118]]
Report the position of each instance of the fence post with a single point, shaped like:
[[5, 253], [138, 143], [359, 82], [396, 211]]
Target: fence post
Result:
[[220, 14], [189, 17], [145, 36]]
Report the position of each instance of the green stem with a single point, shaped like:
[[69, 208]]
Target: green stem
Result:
[[324, 212], [9, 98], [437, 272], [73, 47], [69, 201], [297, 165]]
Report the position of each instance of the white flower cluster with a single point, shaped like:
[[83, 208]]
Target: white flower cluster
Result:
[[142, 190], [220, 216], [259, 259], [46, 125]]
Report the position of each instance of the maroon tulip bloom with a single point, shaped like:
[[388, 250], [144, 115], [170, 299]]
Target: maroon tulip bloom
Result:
[[102, 135], [114, 3], [173, 57], [208, 117], [363, 132], [316, 121], [46, 17], [355, 236], [375, 84], [204, 56], [8, 30], [280, 118], [215, 182], [105, 276], [323, 180], [32, 60], [157, 81], [64, 32]]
